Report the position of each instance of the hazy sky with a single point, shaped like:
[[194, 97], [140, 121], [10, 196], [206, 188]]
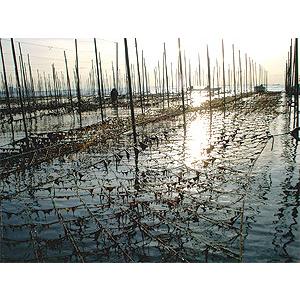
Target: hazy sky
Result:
[[261, 28]]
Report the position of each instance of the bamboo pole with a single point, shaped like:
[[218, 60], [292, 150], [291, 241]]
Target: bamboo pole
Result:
[[101, 78], [78, 84], [208, 78], [117, 66], [172, 78], [241, 74], [224, 82], [130, 94], [98, 80], [199, 71], [139, 75], [23, 73], [246, 75], [163, 82], [181, 75], [19, 91], [7, 93], [234, 79], [185, 74], [68, 81], [296, 85], [167, 79]]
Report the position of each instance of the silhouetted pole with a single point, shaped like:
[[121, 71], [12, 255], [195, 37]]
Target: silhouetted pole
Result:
[[19, 91], [30, 75], [241, 74], [101, 77], [185, 73], [246, 75], [167, 79], [78, 85], [234, 79], [296, 95], [199, 71], [208, 77], [139, 74], [130, 93], [163, 83], [181, 75], [24, 74], [172, 78], [7, 93], [68, 80], [98, 80], [223, 63], [117, 66]]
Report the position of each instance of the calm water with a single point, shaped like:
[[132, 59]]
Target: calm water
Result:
[[207, 190]]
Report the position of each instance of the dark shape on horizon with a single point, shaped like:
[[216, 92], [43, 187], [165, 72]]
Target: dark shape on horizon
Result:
[[260, 89], [114, 95]]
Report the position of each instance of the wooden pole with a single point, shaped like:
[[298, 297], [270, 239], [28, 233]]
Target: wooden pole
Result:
[[98, 81], [7, 93], [130, 94], [199, 71], [208, 78], [172, 78], [68, 81], [223, 67], [78, 84], [139, 75], [241, 74], [234, 80], [185, 73], [101, 77], [296, 94], [24, 74], [19, 91], [246, 75], [181, 76], [117, 66], [167, 79]]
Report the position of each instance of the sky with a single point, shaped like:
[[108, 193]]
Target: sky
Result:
[[262, 29]]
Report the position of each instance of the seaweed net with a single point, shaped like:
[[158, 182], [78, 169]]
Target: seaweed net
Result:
[[177, 197]]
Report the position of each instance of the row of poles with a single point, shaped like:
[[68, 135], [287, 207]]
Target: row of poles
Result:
[[238, 80], [181, 77], [292, 82]]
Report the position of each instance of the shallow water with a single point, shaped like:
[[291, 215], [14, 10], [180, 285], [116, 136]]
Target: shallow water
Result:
[[207, 190]]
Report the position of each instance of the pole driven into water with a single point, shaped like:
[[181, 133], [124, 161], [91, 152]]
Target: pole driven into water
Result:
[[234, 79], [139, 75], [208, 77], [68, 81], [7, 93], [19, 91], [181, 75], [223, 67], [98, 80], [130, 93], [78, 84]]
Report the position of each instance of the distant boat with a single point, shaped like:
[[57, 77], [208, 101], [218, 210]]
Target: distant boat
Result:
[[260, 89], [212, 89]]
